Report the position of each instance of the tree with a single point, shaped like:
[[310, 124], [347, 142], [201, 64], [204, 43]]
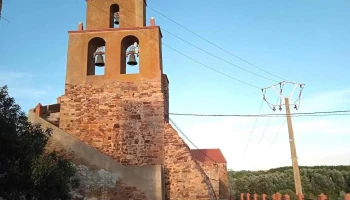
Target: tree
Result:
[[25, 168], [330, 180]]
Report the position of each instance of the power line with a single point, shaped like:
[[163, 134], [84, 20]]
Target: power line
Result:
[[185, 54], [274, 139], [201, 49], [323, 113], [254, 128], [190, 140], [251, 133], [262, 135], [214, 44], [267, 125], [278, 132], [5, 19]]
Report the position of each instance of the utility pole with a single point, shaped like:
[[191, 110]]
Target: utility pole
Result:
[[296, 172]]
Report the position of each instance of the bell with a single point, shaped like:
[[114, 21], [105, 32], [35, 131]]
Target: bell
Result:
[[132, 60], [116, 21], [116, 17], [99, 61]]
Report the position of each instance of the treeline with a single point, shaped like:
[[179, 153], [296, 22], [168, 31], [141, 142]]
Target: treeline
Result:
[[334, 181]]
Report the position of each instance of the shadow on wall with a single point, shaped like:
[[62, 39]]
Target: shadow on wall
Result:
[[142, 131], [134, 177], [146, 133], [184, 177]]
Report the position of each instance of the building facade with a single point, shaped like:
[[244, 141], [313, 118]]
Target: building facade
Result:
[[116, 99]]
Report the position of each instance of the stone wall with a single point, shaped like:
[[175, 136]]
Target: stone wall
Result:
[[223, 185], [185, 178], [211, 169], [166, 97], [124, 120], [129, 180], [101, 184]]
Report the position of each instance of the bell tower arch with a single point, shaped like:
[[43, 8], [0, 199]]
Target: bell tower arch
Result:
[[120, 114], [131, 13]]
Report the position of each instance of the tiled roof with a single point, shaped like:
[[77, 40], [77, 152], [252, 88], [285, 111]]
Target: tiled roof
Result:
[[202, 155]]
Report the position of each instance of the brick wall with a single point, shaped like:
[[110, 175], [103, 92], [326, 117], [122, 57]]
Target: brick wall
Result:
[[124, 120], [185, 178]]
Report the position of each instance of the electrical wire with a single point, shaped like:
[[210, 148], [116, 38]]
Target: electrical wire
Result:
[[204, 65], [201, 49], [323, 113], [178, 128], [274, 139], [251, 133], [217, 46], [278, 132], [331, 113], [267, 125], [189, 140], [254, 128], [263, 133], [5, 19], [199, 63]]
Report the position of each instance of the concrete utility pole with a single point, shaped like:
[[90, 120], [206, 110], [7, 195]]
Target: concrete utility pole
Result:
[[296, 172]]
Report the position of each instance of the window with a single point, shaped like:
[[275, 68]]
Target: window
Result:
[[114, 16], [96, 56], [130, 59]]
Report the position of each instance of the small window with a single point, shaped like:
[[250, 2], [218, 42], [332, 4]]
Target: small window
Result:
[[130, 59], [114, 16], [96, 56]]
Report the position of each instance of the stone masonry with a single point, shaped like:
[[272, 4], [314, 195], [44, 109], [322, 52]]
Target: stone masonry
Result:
[[212, 171], [126, 121], [223, 181], [122, 119], [126, 116], [185, 178]]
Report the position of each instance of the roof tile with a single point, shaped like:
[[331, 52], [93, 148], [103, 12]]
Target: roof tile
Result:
[[208, 155]]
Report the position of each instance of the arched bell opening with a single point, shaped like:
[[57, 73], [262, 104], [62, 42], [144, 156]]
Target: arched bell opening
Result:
[[96, 56], [114, 16], [130, 59]]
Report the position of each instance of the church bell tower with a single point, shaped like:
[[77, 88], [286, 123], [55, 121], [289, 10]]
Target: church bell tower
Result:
[[116, 95]]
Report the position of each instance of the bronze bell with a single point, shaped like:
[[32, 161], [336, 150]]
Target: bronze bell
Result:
[[116, 17], [132, 60], [99, 61], [116, 20]]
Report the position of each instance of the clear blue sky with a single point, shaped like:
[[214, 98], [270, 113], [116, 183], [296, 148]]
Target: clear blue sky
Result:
[[302, 41]]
